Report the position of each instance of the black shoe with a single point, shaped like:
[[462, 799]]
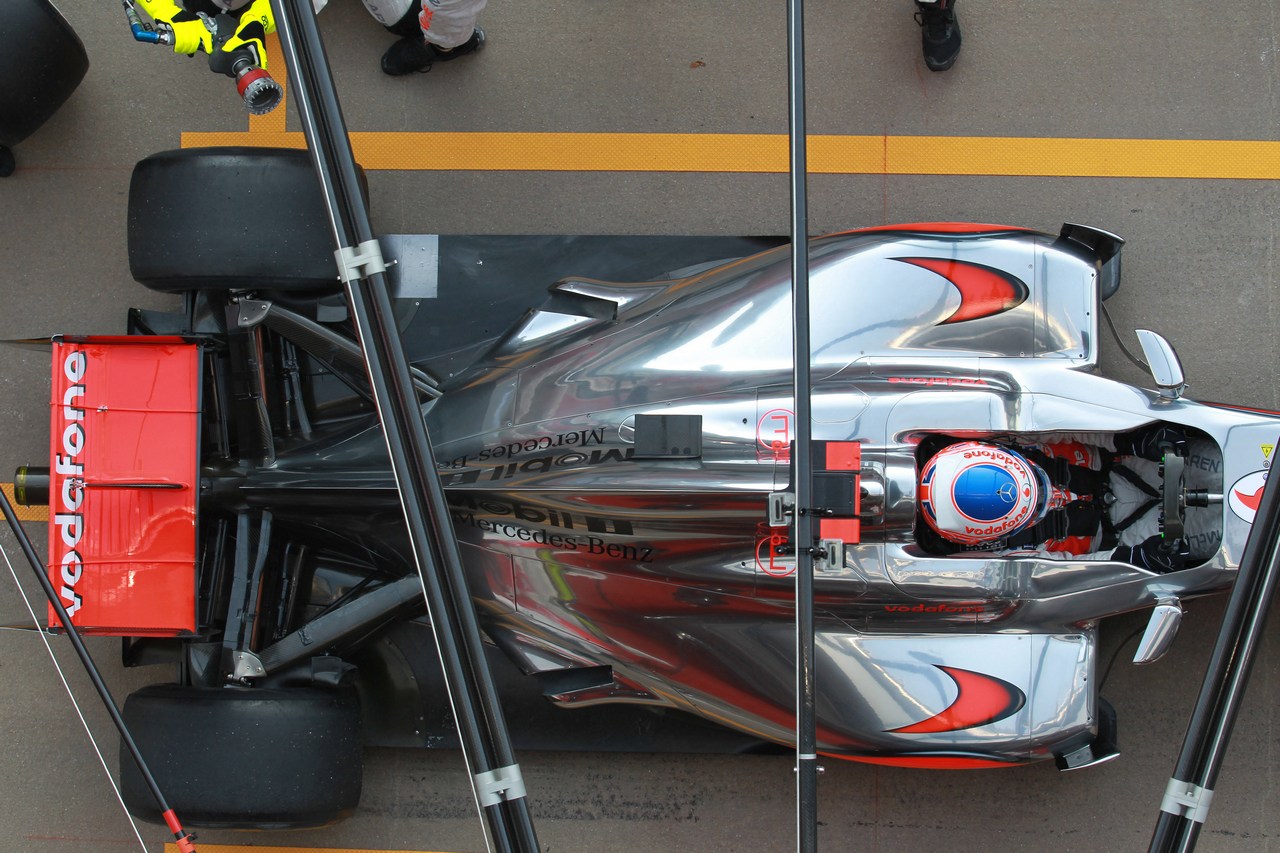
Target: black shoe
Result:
[[414, 53], [939, 33], [471, 45], [409, 54]]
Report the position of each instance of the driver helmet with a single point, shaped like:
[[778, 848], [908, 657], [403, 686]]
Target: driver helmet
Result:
[[974, 493]]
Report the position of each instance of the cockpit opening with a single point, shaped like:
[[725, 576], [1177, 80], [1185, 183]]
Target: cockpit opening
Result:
[[1150, 497]]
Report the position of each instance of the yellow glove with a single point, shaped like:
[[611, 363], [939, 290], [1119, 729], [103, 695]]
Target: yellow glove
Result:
[[189, 32], [191, 36], [256, 20]]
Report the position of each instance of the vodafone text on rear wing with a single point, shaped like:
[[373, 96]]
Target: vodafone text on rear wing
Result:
[[124, 434]]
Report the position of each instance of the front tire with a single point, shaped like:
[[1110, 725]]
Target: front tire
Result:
[[245, 758]]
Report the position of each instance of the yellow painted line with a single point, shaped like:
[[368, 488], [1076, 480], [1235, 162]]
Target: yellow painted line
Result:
[[767, 153], [237, 848], [25, 513]]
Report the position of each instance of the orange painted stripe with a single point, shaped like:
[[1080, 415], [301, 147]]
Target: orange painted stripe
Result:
[[25, 513], [767, 153]]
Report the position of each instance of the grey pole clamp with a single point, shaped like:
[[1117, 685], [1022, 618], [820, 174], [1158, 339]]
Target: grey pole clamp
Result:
[[1186, 800], [359, 261], [499, 784]]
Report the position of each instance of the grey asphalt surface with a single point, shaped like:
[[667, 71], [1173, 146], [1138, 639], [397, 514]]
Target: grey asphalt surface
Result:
[[1199, 268]]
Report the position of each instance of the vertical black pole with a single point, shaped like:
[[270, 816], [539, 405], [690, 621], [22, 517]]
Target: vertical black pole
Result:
[[495, 777], [1190, 789], [806, 723]]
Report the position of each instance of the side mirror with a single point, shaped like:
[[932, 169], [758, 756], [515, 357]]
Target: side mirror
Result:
[[1163, 362], [1161, 629]]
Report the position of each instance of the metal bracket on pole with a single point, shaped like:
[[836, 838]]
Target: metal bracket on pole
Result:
[[499, 784], [1186, 800], [781, 507], [832, 551], [361, 261]]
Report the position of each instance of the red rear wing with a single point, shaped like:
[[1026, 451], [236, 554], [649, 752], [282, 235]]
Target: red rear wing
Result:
[[124, 469]]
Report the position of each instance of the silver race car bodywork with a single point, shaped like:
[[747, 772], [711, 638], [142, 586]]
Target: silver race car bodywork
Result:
[[608, 463]]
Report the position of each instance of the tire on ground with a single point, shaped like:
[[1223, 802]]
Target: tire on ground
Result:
[[230, 219], [245, 758], [42, 64]]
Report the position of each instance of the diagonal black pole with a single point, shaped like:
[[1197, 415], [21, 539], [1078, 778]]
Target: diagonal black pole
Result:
[[806, 722], [1190, 790], [495, 777]]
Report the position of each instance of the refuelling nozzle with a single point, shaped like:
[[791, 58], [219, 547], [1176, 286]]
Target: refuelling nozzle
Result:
[[261, 93]]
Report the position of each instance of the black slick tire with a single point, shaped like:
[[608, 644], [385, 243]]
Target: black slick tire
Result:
[[230, 219], [245, 758], [42, 64]]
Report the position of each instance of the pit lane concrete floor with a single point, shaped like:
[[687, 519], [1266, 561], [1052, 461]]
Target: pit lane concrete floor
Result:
[[1199, 267]]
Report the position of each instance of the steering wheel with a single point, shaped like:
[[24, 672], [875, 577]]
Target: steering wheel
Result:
[[1173, 496]]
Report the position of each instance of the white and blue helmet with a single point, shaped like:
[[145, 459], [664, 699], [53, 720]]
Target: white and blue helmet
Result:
[[974, 493]]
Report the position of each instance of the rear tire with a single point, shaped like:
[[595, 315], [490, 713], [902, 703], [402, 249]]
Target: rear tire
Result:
[[245, 758], [230, 219]]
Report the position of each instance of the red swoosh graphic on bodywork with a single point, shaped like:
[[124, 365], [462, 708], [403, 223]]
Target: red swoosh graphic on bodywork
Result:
[[943, 228], [980, 699], [984, 290], [1251, 501]]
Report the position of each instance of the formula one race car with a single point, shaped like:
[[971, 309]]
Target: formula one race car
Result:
[[611, 417]]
